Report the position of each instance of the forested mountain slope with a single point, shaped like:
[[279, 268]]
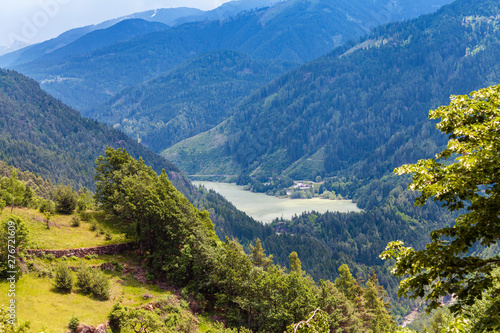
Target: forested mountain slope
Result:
[[40, 134], [362, 109], [299, 31], [191, 98]]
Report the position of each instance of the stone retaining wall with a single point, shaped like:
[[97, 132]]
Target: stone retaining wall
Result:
[[82, 252]]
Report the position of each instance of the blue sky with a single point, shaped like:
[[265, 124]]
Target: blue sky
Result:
[[34, 21]]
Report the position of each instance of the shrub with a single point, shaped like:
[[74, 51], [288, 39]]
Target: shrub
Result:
[[95, 282], [12, 226], [93, 227], [73, 323], [63, 279], [85, 280], [47, 206], [108, 236], [44, 271], [86, 216], [75, 221], [117, 317], [65, 199], [100, 287]]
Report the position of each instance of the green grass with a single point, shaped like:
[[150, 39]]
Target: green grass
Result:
[[203, 155], [50, 311], [61, 234]]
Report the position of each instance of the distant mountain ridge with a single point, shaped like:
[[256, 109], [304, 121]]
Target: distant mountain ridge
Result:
[[362, 109], [191, 98], [86, 79], [168, 16]]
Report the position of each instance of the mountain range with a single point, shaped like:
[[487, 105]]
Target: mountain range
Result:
[[83, 80], [191, 98], [362, 109]]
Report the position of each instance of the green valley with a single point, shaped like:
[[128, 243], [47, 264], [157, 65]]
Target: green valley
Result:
[[291, 168]]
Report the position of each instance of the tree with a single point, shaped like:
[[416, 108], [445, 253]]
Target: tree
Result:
[[14, 231], [346, 283], [464, 178], [63, 280], [295, 264], [258, 255], [65, 198], [175, 233]]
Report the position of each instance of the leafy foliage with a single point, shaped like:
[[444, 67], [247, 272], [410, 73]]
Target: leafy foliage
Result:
[[85, 279], [7, 325], [73, 323], [14, 237], [163, 220], [65, 199], [180, 245], [470, 180]]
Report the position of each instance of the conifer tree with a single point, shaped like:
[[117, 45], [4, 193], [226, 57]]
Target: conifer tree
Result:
[[295, 264], [258, 255]]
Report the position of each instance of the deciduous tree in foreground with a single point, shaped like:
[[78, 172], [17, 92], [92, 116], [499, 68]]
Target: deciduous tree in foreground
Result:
[[465, 176]]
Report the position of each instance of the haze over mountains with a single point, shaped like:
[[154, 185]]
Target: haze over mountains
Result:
[[83, 80]]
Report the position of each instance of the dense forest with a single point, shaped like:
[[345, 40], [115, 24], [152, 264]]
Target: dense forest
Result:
[[247, 290], [228, 221], [362, 109]]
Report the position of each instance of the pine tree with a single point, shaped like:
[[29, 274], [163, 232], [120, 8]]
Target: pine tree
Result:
[[258, 255]]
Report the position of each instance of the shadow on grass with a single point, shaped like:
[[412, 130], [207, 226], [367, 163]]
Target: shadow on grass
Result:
[[56, 290]]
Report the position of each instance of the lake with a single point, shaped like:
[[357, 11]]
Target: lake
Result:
[[266, 208]]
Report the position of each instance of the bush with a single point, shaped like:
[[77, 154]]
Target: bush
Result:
[[100, 288], [95, 282], [93, 227], [117, 318], [85, 280], [75, 221], [12, 226], [86, 216], [63, 279], [73, 323], [47, 206], [65, 199], [108, 236]]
